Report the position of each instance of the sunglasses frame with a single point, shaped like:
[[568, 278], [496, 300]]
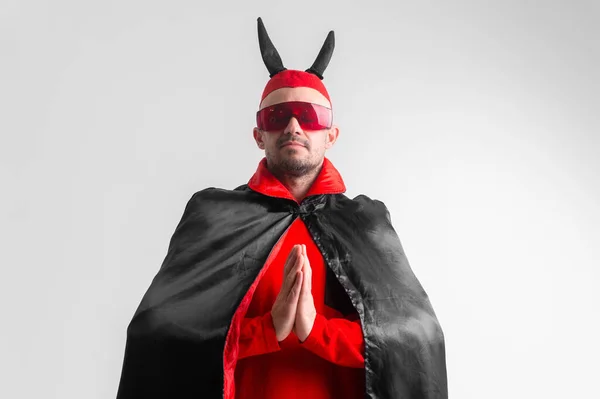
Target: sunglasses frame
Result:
[[316, 108]]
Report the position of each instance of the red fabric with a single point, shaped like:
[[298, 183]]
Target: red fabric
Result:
[[330, 363], [295, 78], [329, 181]]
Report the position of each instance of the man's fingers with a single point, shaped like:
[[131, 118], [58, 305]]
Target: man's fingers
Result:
[[291, 260], [288, 281], [306, 282], [307, 271], [295, 290], [295, 254]]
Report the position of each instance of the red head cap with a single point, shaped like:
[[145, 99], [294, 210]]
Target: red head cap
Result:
[[295, 78]]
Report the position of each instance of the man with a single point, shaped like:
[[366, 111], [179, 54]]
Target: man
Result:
[[284, 287]]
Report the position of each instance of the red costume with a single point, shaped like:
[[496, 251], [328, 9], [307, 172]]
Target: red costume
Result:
[[330, 363]]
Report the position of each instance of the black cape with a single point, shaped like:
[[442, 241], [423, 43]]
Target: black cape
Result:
[[175, 341]]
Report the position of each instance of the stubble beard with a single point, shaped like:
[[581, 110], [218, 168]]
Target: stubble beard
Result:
[[287, 165]]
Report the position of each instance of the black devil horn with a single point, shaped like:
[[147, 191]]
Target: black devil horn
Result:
[[318, 67], [268, 51]]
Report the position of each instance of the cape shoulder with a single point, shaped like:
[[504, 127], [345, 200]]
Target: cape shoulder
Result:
[[360, 203]]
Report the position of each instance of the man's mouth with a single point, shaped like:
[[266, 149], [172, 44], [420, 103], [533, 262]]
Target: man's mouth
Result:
[[292, 143]]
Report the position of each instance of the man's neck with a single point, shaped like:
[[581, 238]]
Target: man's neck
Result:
[[298, 186]]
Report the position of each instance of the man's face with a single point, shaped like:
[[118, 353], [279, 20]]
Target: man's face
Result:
[[291, 159]]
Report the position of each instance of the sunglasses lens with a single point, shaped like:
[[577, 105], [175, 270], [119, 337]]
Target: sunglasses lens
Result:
[[310, 116], [278, 117]]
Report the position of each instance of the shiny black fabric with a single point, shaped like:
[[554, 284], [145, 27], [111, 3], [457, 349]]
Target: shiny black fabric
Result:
[[176, 338]]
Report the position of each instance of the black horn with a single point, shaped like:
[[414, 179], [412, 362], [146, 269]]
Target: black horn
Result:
[[318, 67], [268, 51]]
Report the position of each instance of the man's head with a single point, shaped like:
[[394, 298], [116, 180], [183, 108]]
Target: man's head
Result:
[[295, 108], [297, 160]]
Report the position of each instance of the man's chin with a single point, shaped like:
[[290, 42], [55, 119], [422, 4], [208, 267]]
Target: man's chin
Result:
[[292, 165]]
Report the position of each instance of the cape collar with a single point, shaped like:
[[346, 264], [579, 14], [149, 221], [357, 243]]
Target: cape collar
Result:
[[329, 181]]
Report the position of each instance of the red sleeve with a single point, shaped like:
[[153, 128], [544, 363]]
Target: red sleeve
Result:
[[339, 341], [257, 336]]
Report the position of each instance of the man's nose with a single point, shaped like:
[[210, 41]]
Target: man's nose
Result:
[[293, 126]]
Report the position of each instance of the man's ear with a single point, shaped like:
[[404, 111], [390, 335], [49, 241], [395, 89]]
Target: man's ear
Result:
[[257, 133], [332, 136]]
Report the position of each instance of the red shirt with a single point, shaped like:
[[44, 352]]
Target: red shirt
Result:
[[330, 362]]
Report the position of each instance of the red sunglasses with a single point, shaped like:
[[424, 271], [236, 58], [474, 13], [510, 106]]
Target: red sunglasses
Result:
[[310, 116]]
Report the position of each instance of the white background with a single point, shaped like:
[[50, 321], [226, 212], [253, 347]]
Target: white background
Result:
[[476, 123]]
